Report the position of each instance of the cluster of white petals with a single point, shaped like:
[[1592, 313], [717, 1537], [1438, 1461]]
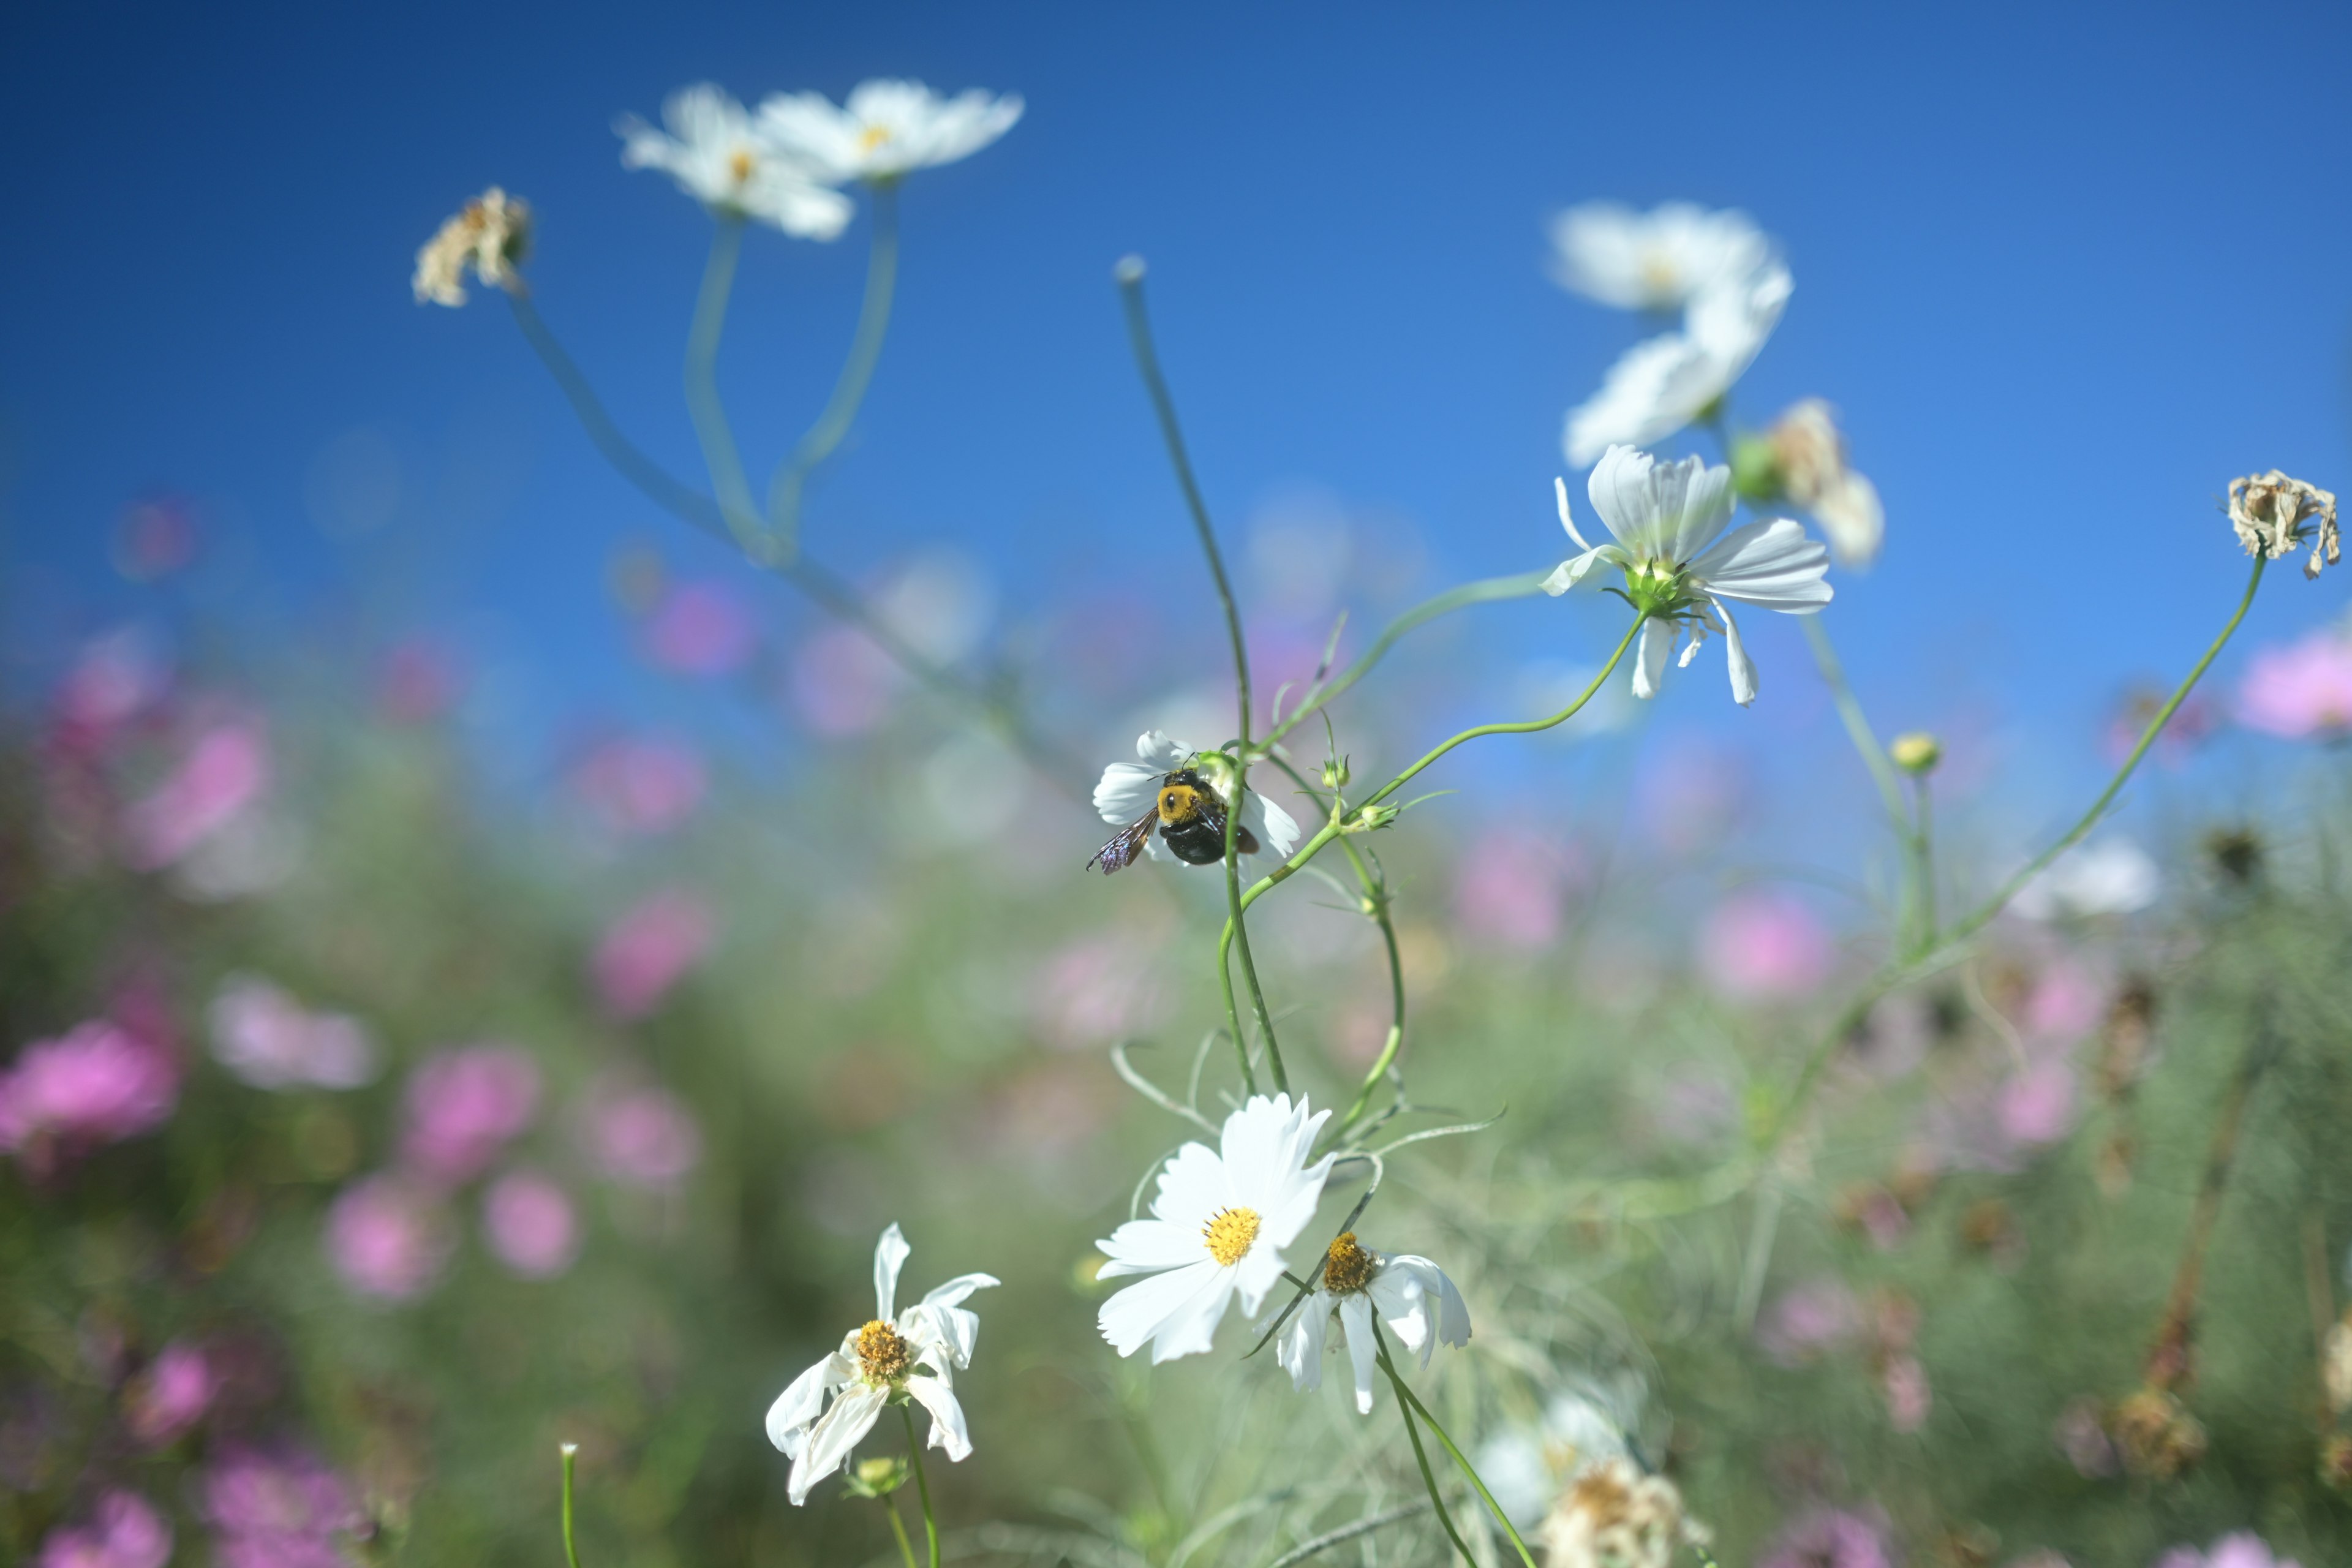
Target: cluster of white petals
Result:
[[1662, 385], [1668, 520], [1411, 1295], [487, 235], [2105, 877], [723, 158], [1654, 261], [1219, 1222], [1809, 460], [2273, 513], [1611, 1515], [1127, 790], [886, 128], [912, 1354]]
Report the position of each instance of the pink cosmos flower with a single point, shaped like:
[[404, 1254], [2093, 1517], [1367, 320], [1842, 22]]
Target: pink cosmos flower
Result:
[[100, 1084], [1807, 1320], [387, 1238], [649, 948], [1762, 945], [1511, 888], [841, 683], [269, 1041], [1829, 1538], [639, 1135], [531, 1225], [641, 786], [2243, 1550], [701, 628], [115, 679], [170, 1395], [464, 1106], [1908, 1398], [2037, 1105], [277, 1508], [223, 773], [2302, 691], [122, 1532]]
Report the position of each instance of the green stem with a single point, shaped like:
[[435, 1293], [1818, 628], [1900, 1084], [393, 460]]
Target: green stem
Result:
[[1421, 1458], [1406, 1395], [791, 477], [1857, 727], [898, 1532], [1147, 363], [922, 1486], [1923, 862], [702, 401], [571, 1553]]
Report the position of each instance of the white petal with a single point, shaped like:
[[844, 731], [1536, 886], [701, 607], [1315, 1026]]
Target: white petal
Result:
[[1259, 1271], [1140, 1311], [1151, 1246], [1570, 574], [889, 1255], [852, 1417], [955, 1291], [1300, 1349], [1192, 1329], [1743, 669], [1654, 390], [1559, 492], [947, 1416], [801, 1401], [1159, 753], [1619, 488], [1356, 1322], [1772, 565], [1650, 657], [1276, 831], [1193, 1185], [1850, 514], [1126, 791]]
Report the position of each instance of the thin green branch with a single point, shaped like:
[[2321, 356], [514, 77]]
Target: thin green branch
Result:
[[702, 400], [1857, 727], [922, 1486], [1405, 1397], [1421, 1458], [898, 1532], [1321, 1544], [792, 476], [571, 1452]]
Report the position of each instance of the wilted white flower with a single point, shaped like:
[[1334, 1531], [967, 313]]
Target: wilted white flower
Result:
[[1653, 260], [720, 156], [1525, 1465], [896, 1357], [1681, 568], [1660, 385], [1411, 1294], [488, 234], [1804, 458], [2106, 876], [1612, 1516], [1129, 792], [2273, 513], [1218, 1226], [887, 128]]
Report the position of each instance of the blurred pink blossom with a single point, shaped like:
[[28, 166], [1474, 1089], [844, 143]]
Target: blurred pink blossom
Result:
[[100, 1083], [277, 1508], [170, 1395], [841, 683], [640, 1135], [387, 1238], [1828, 1538], [1511, 888], [531, 1225], [1807, 1320], [122, 1532], [2195, 720], [271, 1041], [1095, 990], [2243, 1550], [1908, 1397], [223, 773], [464, 1105], [114, 679], [641, 786], [649, 948], [2037, 1105], [2066, 1003], [416, 683], [1692, 793], [155, 537], [701, 628], [2302, 691], [1762, 945]]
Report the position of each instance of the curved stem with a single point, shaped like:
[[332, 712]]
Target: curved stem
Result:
[[1406, 1395], [898, 1532], [1147, 364], [1376, 895], [701, 376], [922, 1486], [792, 476], [570, 1552], [1421, 1458]]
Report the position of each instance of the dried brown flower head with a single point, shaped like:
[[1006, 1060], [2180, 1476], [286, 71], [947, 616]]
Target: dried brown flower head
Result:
[[1612, 1516], [2156, 1435], [2273, 514], [489, 235]]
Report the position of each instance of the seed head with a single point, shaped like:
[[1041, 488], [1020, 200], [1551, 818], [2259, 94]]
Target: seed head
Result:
[[882, 1355], [2273, 514], [1347, 1267]]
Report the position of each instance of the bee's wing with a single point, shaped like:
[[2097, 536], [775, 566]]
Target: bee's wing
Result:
[[1121, 851]]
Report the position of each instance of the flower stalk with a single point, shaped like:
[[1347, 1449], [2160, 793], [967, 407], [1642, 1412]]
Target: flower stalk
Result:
[[791, 477], [1405, 1398], [571, 1452], [922, 1486], [702, 400]]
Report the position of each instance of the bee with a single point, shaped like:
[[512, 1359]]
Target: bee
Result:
[[1190, 820]]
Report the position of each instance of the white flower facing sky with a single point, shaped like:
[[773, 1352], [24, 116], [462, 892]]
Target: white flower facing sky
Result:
[[1654, 261], [724, 159], [1410, 1295], [1681, 568], [1660, 385], [897, 1356], [1218, 1226], [1127, 790], [886, 128]]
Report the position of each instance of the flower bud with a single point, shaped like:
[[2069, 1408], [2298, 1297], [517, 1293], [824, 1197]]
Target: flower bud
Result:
[[877, 1478], [1372, 818], [1917, 754], [1335, 773]]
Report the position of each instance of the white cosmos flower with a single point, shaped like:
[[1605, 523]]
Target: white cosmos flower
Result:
[[487, 236], [2106, 876], [897, 1356], [1655, 260], [720, 156], [1681, 567], [1411, 1294], [886, 128], [1660, 385], [1218, 1226], [1808, 458], [1128, 790]]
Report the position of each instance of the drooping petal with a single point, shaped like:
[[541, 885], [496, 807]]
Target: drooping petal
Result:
[[959, 1326], [835, 1434], [1300, 1349], [1573, 573], [802, 1402], [957, 1289], [1657, 644], [1356, 1322], [1140, 1311], [1560, 493], [1743, 669], [1772, 565], [889, 1255], [947, 1416]]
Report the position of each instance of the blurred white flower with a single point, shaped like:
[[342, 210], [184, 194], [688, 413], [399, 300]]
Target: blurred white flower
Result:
[[896, 1357], [1653, 260], [271, 1041], [1660, 385], [1524, 1466], [720, 156], [1613, 1516], [1411, 1294], [1130, 791], [887, 128], [1680, 567], [2106, 876], [1218, 1226], [489, 235], [1808, 465]]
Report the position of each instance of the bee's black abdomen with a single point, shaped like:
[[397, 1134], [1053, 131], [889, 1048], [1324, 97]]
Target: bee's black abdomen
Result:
[[1200, 842]]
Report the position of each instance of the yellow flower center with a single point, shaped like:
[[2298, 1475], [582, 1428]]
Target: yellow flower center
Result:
[[883, 1355], [1230, 1233], [1659, 276], [741, 165], [873, 136], [1347, 1267]]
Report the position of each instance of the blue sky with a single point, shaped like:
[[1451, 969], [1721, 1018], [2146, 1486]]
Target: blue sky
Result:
[[2064, 271]]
